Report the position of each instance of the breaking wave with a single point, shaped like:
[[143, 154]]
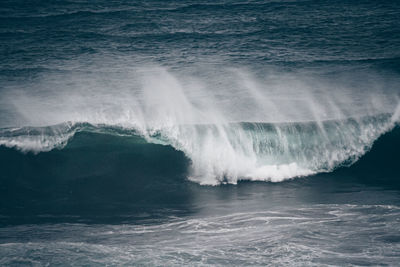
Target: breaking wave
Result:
[[228, 153]]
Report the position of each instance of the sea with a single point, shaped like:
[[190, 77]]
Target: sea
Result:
[[199, 133]]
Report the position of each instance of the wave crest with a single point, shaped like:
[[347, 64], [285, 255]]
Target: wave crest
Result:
[[227, 153]]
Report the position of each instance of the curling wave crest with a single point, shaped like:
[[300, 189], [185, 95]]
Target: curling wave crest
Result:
[[227, 153], [232, 124]]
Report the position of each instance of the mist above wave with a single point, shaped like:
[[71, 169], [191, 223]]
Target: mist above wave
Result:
[[201, 111], [154, 96]]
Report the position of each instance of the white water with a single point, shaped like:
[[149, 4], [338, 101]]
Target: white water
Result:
[[309, 235], [200, 115]]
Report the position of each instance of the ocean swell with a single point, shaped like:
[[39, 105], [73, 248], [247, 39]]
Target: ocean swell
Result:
[[230, 152]]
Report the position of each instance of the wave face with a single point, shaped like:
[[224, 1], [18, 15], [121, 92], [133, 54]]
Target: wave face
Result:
[[227, 153], [109, 174]]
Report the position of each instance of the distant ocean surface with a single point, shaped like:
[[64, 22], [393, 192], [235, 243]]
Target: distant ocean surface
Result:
[[199, 133]]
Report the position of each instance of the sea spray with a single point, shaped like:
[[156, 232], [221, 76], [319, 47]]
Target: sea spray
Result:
[[271, 128]]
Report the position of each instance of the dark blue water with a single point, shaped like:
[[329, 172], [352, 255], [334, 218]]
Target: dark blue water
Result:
[[170, 133]]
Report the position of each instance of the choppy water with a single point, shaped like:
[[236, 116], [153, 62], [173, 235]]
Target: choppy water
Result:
[[316, 235], [199, 133]]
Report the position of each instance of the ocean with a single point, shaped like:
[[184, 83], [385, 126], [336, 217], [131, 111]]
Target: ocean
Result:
[[199, 133]]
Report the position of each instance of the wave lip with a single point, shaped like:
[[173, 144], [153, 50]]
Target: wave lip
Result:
[[227, 153], [273, 152], [47, 138], [37, 139]]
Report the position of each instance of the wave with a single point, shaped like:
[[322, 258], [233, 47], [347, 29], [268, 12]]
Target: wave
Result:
[[230, 152], [232, 125]]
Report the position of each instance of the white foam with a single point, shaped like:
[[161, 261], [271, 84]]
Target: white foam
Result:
[[278, 173]]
